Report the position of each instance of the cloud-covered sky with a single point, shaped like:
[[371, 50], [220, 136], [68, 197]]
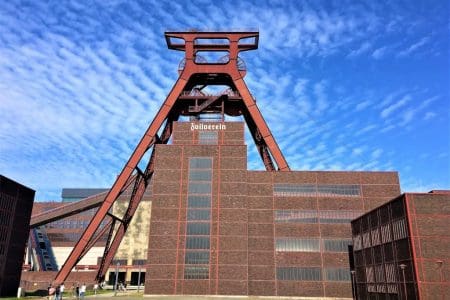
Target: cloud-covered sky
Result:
[[343, 85]]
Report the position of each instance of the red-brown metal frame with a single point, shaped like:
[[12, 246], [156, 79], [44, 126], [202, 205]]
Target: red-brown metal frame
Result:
[[193, 74]]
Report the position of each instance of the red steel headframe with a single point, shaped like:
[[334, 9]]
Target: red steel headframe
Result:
[[195, 74]]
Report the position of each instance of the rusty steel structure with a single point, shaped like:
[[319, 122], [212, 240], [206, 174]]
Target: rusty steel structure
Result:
[[187, 98]]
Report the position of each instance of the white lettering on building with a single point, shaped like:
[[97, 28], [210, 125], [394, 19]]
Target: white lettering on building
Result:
[[207, 126]]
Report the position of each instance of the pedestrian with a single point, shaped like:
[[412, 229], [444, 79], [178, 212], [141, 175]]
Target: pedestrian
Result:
[[82, 291], [61, 289], [57, 292], [95, 288], [77, 292]]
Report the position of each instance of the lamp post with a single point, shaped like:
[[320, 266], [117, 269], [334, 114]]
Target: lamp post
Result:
[[441, 279], [403, 266], [117, 278], [352, 272]]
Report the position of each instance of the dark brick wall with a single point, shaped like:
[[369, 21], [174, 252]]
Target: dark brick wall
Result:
[[16, 202]]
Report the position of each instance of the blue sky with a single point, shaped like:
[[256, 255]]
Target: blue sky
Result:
[[343, 85]]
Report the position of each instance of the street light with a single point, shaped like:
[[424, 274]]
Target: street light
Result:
[[403, 266], [117, 278], [441, 279], [353, 284]]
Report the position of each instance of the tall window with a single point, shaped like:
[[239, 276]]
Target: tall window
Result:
[[198, 218]]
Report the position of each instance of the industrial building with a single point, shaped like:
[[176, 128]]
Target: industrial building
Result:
[[217, 228], [401, 249], [214, 227], [16, 202]]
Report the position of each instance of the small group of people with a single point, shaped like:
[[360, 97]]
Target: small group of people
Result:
[[79, 292]]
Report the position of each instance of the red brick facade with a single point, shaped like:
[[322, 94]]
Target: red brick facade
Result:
[[217, 228]]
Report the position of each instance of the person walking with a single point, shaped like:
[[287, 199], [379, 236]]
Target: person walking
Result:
[[77, 292], [57, 292], [61, 291], [82, 291]]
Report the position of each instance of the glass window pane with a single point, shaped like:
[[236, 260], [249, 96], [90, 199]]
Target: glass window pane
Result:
[[289, 190], [200, 163], [301, 274], [197, 258], [198, 214], [199, 188], [198, 228], [196, 272], [195, 201], [200, 175], [338, 245], [337, 274], [297, 245], [296, 216], [196, 242], [208, 137]]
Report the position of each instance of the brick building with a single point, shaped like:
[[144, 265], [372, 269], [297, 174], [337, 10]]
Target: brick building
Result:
[[217, 228], [16, 202], [402, 248]]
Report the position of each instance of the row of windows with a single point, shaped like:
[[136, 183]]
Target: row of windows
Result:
[[381, 235], [314, 216], [329, 190], [311, 245], [312, 274], [198, 214]]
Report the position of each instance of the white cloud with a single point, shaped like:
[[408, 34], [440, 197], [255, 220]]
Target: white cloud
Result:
[[422, 42], [379, 52], [429, 115], [392, 108]]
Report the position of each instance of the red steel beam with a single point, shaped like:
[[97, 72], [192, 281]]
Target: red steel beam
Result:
[[118, 187]]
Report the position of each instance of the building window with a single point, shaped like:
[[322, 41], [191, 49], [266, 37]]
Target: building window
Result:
[[300, 274], [399, 229], [296, 216], [198, 228], [313, 216], [386, 233], [338, 216], [337, 245], [196, 258], [208, 137], [200, 163], [198, 216], [196, 272], [196, 201], [337, 274], [297, 245], [311, 190]]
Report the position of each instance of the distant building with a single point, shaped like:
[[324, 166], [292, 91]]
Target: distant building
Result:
[[72, 195], [52, 243], [401, 249], [16, 202]]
